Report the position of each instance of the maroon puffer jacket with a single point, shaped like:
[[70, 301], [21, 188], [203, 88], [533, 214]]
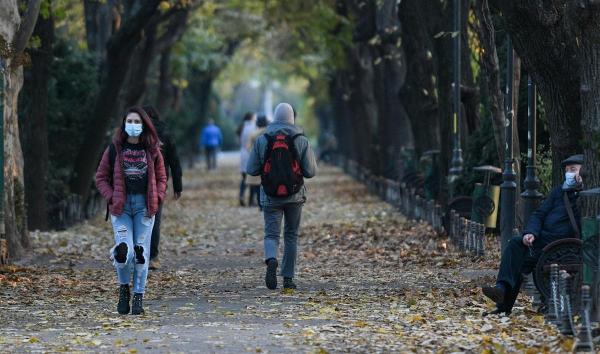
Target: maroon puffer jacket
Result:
[[113, 189]]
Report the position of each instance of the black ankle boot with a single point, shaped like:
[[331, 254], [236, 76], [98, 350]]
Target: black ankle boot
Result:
[[271, 276], [288, 283], [124, 297], [136, 306]]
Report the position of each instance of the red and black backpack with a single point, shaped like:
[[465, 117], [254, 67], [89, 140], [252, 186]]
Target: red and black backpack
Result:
[[281, 175]]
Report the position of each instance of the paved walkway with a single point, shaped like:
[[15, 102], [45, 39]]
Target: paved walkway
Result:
[[369, 281]]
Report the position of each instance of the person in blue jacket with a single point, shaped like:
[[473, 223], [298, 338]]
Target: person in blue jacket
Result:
[[211, 140], [550, 222]]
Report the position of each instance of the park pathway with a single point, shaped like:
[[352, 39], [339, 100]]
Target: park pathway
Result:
[[369, 281]]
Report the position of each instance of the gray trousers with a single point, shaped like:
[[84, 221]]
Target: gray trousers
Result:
[[273, 215]]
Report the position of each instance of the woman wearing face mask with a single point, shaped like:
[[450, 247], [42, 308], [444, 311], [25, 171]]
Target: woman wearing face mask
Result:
[[132, 179]]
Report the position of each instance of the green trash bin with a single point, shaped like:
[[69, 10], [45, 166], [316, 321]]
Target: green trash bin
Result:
[[589, 231]]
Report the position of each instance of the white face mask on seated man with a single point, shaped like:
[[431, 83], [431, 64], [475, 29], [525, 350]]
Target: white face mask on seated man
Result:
[[572, 178]]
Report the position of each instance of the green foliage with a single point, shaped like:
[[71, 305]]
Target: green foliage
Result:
[[72, 90], [480, 150], [543, 163]]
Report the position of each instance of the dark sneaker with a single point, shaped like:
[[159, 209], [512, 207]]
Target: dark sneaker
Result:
[[495, 293], [136, 306], [496, 312], [124, 297], [288, 283], [271, 276]]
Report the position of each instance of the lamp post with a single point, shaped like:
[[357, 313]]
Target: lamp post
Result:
[[509, 186], [531, 195], [456, 165]]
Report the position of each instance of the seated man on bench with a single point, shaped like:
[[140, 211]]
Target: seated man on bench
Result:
[[558, 217]]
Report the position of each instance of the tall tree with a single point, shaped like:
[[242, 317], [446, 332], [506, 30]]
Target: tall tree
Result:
[[490, 64], [34, 132], [15, 32], [154, 42], [543, 39], [585, 20]]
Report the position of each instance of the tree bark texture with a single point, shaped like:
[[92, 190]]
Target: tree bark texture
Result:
[[547, 49], [586, 30], [420, 92], [14, 31], [34, 132], [491, 66]]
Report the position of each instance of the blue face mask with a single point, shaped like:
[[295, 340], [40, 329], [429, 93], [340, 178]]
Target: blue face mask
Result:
[[570, 180], [134, 130]]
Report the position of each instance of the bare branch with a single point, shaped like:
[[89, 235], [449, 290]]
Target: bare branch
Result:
[[27, 25]]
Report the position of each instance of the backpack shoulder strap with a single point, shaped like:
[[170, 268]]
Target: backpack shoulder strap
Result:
[[112, 154], [270, 141], [292, 140], [571, 215]]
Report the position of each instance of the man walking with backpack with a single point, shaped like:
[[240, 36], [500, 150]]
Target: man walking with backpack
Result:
[[283, 158]]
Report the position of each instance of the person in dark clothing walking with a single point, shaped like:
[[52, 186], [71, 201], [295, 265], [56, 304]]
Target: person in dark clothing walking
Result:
[[172, 164], [285, 205], [550, 222]]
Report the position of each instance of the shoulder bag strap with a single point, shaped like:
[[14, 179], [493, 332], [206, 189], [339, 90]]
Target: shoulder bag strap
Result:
[[571, 215]]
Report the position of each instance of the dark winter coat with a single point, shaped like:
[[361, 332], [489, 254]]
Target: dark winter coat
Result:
[[170, 156], [550, 222]]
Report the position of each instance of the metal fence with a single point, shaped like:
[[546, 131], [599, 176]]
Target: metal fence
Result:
[[468, 236], [72, 209]]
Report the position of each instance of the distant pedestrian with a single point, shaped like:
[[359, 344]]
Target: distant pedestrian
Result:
[[172, 165], [248, 128], [283, 157], [211, 141], [254, 181], [132, 179]]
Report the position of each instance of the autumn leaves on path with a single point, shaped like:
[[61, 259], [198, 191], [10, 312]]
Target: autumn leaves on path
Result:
[[368, 281]]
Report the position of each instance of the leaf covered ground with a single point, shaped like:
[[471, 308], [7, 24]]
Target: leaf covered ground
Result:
[[369, 281]]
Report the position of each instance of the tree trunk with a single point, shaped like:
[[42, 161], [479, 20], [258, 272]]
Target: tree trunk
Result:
[[16, 31], [98, 25], [34, 133], [140, 63], [119, 51], [145, 52], [547, 50], [165, 86], [420, 94], [587, 32], [14, 198], [394, 126], [490, 64], [469, 91]]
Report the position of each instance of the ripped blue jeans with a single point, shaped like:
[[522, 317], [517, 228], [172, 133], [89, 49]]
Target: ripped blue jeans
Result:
[[133, 233]]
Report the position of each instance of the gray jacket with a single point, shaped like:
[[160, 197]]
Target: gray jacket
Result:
[[307, 161]]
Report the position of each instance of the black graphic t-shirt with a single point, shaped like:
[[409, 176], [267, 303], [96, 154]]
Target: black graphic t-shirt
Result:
[[135, 168]]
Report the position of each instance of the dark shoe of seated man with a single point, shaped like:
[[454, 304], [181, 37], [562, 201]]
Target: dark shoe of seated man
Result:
[[495, 293]]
